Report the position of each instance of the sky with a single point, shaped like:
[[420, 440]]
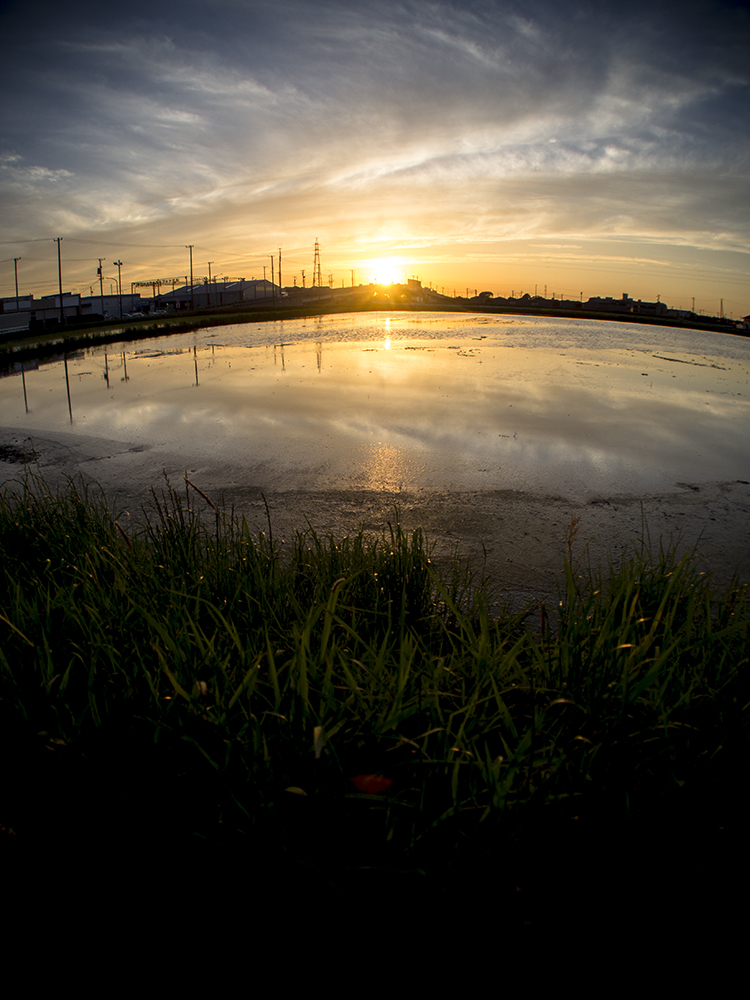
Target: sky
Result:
[[568, 148]]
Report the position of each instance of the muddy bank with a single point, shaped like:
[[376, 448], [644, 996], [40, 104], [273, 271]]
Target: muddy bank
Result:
[[519, 538]]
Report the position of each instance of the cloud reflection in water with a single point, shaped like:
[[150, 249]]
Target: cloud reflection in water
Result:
[[412, 414]]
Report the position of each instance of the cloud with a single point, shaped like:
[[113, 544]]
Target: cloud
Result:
[[434, 120], [28, 176]]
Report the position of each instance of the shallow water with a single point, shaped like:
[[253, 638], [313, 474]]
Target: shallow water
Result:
[[415, 402]]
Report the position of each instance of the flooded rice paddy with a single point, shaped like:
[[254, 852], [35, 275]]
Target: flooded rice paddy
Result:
[[490, 431]]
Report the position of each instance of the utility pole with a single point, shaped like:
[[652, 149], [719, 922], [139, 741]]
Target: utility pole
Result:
[[119, 282], [279, 271], [208, 294], [354, 271], [273, 281], [101, 285], [15, 267], [303, 279], [59, 240], [190, 248], [693, 303]]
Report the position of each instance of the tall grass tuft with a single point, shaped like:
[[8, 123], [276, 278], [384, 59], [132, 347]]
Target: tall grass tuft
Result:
[[346, 701]]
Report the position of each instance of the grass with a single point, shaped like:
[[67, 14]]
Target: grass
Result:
[[190, 683]]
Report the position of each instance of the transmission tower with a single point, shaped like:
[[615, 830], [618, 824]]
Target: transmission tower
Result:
[[316, 267]]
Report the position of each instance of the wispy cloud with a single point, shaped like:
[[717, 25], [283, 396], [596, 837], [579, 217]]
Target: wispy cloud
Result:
[[434, 121]]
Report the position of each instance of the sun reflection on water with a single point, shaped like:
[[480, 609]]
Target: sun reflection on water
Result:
[[388, 467], [410, 414]]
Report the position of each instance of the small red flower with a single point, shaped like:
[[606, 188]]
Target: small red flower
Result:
[[371, 784]]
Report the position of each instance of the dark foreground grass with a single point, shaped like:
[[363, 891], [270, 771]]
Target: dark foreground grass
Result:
[[332, 712]]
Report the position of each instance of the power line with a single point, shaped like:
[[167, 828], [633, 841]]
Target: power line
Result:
[[45, 260], [229, 253], [104, 243], [8, 243]]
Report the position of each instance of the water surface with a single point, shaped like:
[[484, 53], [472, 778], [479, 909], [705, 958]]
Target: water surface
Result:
[[415, 402]]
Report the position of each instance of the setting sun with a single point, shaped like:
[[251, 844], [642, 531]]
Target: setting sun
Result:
[[386, 270], [389, 135]]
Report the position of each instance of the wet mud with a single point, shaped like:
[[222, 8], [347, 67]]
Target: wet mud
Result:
[[519, 539]]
